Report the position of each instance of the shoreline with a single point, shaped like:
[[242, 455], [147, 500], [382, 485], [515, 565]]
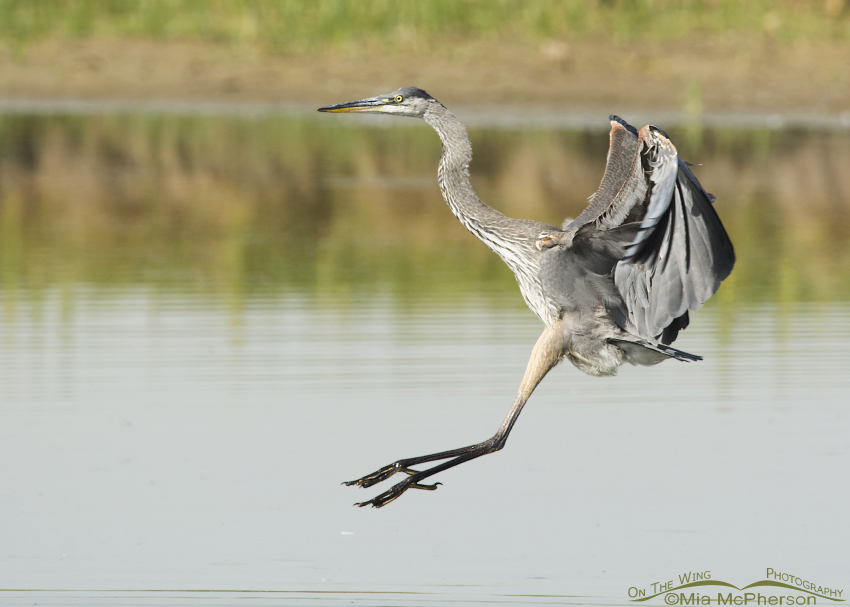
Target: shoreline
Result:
[[503, 118], [701, 81]]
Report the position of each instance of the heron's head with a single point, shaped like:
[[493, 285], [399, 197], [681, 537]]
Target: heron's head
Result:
[[409, 101]]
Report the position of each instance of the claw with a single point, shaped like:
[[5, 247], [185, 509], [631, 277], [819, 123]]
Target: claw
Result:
[[374, 478], [425, 487], [395, 492], [380, 475]]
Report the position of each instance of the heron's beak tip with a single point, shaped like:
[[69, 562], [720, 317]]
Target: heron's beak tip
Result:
[[364, 105]]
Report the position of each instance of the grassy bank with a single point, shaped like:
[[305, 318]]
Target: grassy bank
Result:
[[295, 26]]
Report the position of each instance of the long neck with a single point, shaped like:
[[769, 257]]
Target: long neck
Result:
[[511, 239], [486, 223]]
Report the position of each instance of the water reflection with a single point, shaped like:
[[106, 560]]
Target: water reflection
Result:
[[206, 324], [162, 434], [238, 206]]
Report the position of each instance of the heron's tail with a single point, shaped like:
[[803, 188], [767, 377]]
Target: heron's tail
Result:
[[645, 353]]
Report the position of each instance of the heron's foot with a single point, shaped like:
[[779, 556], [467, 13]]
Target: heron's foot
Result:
[[455, 457], [395, 492], [381, 475]]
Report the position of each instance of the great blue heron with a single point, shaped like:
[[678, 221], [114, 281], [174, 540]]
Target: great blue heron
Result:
[[613, 285]]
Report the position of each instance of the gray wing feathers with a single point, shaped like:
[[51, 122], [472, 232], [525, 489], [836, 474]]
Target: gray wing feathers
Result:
[[681, 252], [658, 159], [623, 184]]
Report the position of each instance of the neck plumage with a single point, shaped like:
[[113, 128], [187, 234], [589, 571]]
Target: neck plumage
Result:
[[511, 239], [453, 176]]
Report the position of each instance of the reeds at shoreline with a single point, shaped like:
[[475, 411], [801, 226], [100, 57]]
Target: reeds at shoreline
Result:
[[294, 26]]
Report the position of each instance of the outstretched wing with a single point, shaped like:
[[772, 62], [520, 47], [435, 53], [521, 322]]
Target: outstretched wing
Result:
[[681, 251], [623, 186]]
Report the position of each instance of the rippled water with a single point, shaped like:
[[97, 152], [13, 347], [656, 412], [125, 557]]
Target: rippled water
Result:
[[183, 389]]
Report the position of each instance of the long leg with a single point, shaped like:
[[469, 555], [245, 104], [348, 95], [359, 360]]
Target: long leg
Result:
[[547, 353]]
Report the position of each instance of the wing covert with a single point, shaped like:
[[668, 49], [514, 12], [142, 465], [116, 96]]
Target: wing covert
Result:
[[623, 184]]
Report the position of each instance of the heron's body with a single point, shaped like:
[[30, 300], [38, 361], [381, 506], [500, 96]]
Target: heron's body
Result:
[[614, 285]]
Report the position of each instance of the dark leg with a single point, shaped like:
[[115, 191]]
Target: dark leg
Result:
[[547, 353]]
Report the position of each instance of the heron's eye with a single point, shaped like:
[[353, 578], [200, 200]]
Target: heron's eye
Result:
[[398, 98]]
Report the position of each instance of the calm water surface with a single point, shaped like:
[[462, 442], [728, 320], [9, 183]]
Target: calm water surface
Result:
[[207, 324]]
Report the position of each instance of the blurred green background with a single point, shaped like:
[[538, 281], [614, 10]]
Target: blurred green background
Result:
[[273, 205], [177, 199], [293, 26]]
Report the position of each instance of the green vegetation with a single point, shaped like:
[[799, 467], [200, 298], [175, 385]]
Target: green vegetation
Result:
[[294, 26], [244, 207]]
